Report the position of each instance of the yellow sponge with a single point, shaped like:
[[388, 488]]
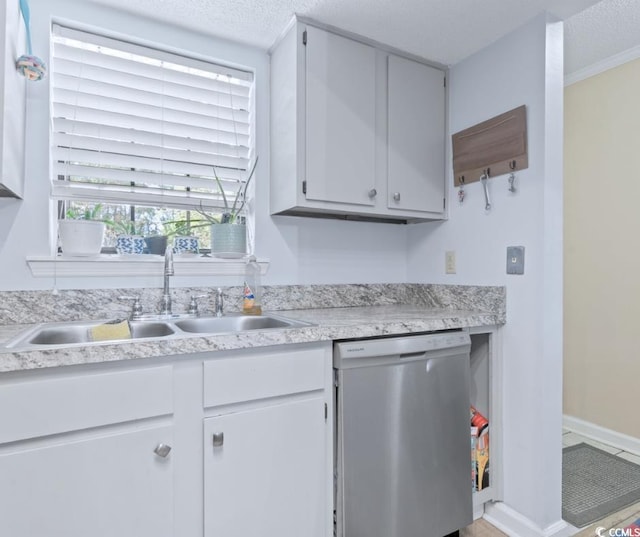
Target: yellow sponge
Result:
[[109, 331]]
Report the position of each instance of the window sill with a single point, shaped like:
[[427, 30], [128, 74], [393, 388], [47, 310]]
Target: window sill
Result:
[[142, 265]]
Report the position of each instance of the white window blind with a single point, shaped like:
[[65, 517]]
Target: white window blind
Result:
[[141, 126]]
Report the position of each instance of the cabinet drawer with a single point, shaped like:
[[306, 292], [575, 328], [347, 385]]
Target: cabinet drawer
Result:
[[251, 377], [54, 405]]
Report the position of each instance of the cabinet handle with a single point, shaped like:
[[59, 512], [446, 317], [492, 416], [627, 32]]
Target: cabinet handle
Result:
[[218, 439], [373, 193], [162, 450], [396, 196]]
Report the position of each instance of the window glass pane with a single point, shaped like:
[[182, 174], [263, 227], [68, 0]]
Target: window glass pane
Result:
[[146, 221]]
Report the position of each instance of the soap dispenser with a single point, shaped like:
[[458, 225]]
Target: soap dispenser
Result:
[[251, 304]]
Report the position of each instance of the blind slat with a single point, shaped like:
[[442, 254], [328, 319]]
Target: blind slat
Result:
[[145, 196], [84, 174], [211, 93], [108, 132], [118, 91], [146, 111], [239, 74], [130, 121], [127, 149], [114, 160], [86, 61]]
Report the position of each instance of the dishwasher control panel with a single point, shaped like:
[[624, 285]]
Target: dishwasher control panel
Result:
[[370, 348]]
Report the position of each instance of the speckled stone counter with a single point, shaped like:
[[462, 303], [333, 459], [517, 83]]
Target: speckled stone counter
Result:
[[475, 307]]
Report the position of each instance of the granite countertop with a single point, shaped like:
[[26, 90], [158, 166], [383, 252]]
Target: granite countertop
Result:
[[329, 324]]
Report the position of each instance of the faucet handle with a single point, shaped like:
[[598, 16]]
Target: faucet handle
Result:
[[193, 304], [136, 307]]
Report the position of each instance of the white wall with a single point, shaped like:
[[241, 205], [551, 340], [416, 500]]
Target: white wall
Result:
[[509, 73], [301, 250]]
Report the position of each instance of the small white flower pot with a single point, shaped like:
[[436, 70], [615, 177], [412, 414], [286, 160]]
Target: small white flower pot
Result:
[[80, 238]]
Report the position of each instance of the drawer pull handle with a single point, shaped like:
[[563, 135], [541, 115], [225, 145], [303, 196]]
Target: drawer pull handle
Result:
[[218, 439], [162, 450], [373, 193]]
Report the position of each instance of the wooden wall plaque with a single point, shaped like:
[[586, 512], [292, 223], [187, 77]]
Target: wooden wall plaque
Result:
[[496, 146]]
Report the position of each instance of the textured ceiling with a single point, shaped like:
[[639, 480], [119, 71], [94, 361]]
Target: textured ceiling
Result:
[[444, 31], [601, 31]]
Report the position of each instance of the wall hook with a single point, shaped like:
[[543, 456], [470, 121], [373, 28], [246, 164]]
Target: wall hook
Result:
[[461, 192], [512, 176], [483, 180]]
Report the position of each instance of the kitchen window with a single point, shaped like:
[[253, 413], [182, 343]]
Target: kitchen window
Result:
[[149, 137]]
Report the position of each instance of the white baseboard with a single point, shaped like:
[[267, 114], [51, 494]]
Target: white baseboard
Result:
[[514, 524], [602, 434]]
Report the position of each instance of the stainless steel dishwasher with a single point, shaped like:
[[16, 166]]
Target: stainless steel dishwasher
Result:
[[403, 455]]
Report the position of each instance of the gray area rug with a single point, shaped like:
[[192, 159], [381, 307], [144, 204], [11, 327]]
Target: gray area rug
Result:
[[596, 484]]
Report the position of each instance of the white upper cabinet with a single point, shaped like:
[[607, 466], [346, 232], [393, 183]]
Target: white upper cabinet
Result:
[[340, 119], [415, 136], [12, 102], [356, 131]]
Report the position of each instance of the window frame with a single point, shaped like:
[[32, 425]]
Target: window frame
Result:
[[187, 54]]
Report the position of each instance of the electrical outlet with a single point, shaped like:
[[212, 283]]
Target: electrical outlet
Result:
[[450, 262], [515, 259]]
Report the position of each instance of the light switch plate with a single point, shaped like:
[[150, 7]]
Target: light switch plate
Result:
[[515, 259], [450, 262]]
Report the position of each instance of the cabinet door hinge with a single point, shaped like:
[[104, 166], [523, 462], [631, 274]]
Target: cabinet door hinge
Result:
[[304, 187], [445, 81], [304, 37], [336, 383], [326, 412], [444, 204]]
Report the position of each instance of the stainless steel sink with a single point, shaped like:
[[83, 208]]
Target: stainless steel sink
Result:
[[74, 333], [214, 325], [77, 333]]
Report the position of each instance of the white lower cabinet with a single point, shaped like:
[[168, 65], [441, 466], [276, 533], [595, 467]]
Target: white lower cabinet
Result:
[[81, 448], [80, 452], [103, 486], [264, 471], [267, 439]]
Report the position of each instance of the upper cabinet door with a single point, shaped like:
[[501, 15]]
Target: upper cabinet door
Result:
[[416, 106], [340, 119]]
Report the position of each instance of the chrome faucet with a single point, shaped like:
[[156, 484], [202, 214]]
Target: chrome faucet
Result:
[[165, 301], [219, 304]]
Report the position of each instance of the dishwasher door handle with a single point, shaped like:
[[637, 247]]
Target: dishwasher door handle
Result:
[[413, 355]]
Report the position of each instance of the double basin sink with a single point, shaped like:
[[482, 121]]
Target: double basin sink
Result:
[[74, 333]]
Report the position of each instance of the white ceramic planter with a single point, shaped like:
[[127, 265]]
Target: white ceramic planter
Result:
[[229, 240], [80, 238]]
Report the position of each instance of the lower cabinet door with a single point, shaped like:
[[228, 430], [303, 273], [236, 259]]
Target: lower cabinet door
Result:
[[265, 472], [105, 486]]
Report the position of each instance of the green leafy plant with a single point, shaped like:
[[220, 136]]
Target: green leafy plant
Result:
[[87, 212], [175, 228], [126, 227], [231, 213]]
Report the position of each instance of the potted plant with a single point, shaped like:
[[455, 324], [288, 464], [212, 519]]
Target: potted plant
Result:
[[81, 231], [229, 230], [129, 239]]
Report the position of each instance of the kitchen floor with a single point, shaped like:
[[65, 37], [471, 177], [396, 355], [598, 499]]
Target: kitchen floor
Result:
[[481, 528], [621, 519]]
